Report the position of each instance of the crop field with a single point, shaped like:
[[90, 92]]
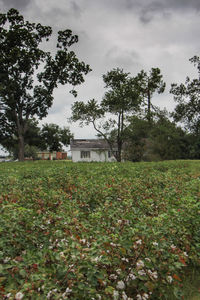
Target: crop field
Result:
[[99, 230]]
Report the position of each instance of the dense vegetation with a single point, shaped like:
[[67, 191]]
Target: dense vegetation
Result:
[[98, 231]]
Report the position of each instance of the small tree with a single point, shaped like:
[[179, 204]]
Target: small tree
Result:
[[120, 99], [148, 84], [24, 91]]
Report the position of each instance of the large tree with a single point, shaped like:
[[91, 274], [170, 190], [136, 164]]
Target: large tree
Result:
[[32, 138], [149, 83], [29, 75], [109, 117], [187, 96]]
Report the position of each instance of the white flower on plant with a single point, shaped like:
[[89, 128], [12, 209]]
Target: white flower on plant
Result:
[[113, 276], [153, 275], [125, 259], [155, 243], [139, 242], [62, 254], [8, 295], [67, 292], [147, 259], [173, 247], [104, 283], [145, 296], [96, 259], [140, 264], [139, 297], [120, 285], [83, 241], [115, 295], [169, 279], [130, 277], [124, 296], [19, 296], [141, 272], [185, 253], [118, 271], [6, 260]]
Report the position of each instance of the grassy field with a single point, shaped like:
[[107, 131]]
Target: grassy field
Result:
[[100, 230]]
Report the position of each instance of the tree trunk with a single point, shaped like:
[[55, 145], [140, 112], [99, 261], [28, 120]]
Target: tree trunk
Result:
[[21, 148], [149, 107]]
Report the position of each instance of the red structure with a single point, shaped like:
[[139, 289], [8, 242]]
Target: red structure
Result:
[[52, 155]]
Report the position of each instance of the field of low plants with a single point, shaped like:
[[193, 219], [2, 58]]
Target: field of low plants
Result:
[[99, 231]]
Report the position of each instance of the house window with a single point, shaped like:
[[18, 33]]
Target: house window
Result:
[[85, 154]]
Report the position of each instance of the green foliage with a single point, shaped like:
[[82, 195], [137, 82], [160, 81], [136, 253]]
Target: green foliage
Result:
[[98, 231], [148, 84], [162, 140], [121, 99], [187, 95], [32, 137], [26, 92], [30, 151], [55, 137]]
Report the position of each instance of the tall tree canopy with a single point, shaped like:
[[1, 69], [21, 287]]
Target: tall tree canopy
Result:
[[149, 83], [188, 98], [120, 99], [29, 75]]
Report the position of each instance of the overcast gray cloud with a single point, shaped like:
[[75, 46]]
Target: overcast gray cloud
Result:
[[18, 4], [129, 34]]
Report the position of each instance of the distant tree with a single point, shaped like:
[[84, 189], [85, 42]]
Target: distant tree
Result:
[[187, 96], [148, 84], [55, 137], [31, 152], [162, 141], [168, 141], [29, 75], [120, 99], [136, 133]]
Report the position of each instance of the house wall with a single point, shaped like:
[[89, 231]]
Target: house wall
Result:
[[97, 155]]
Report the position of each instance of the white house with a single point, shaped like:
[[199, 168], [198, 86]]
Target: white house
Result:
[[91, 150]]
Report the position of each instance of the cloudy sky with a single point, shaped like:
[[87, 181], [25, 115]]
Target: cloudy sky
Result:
[[129, 34]]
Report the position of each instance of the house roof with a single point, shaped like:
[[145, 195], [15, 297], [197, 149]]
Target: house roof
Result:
[[89, 144]]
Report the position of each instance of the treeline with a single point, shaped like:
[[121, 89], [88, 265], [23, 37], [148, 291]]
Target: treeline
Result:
[[130, 123], [125, 118]]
